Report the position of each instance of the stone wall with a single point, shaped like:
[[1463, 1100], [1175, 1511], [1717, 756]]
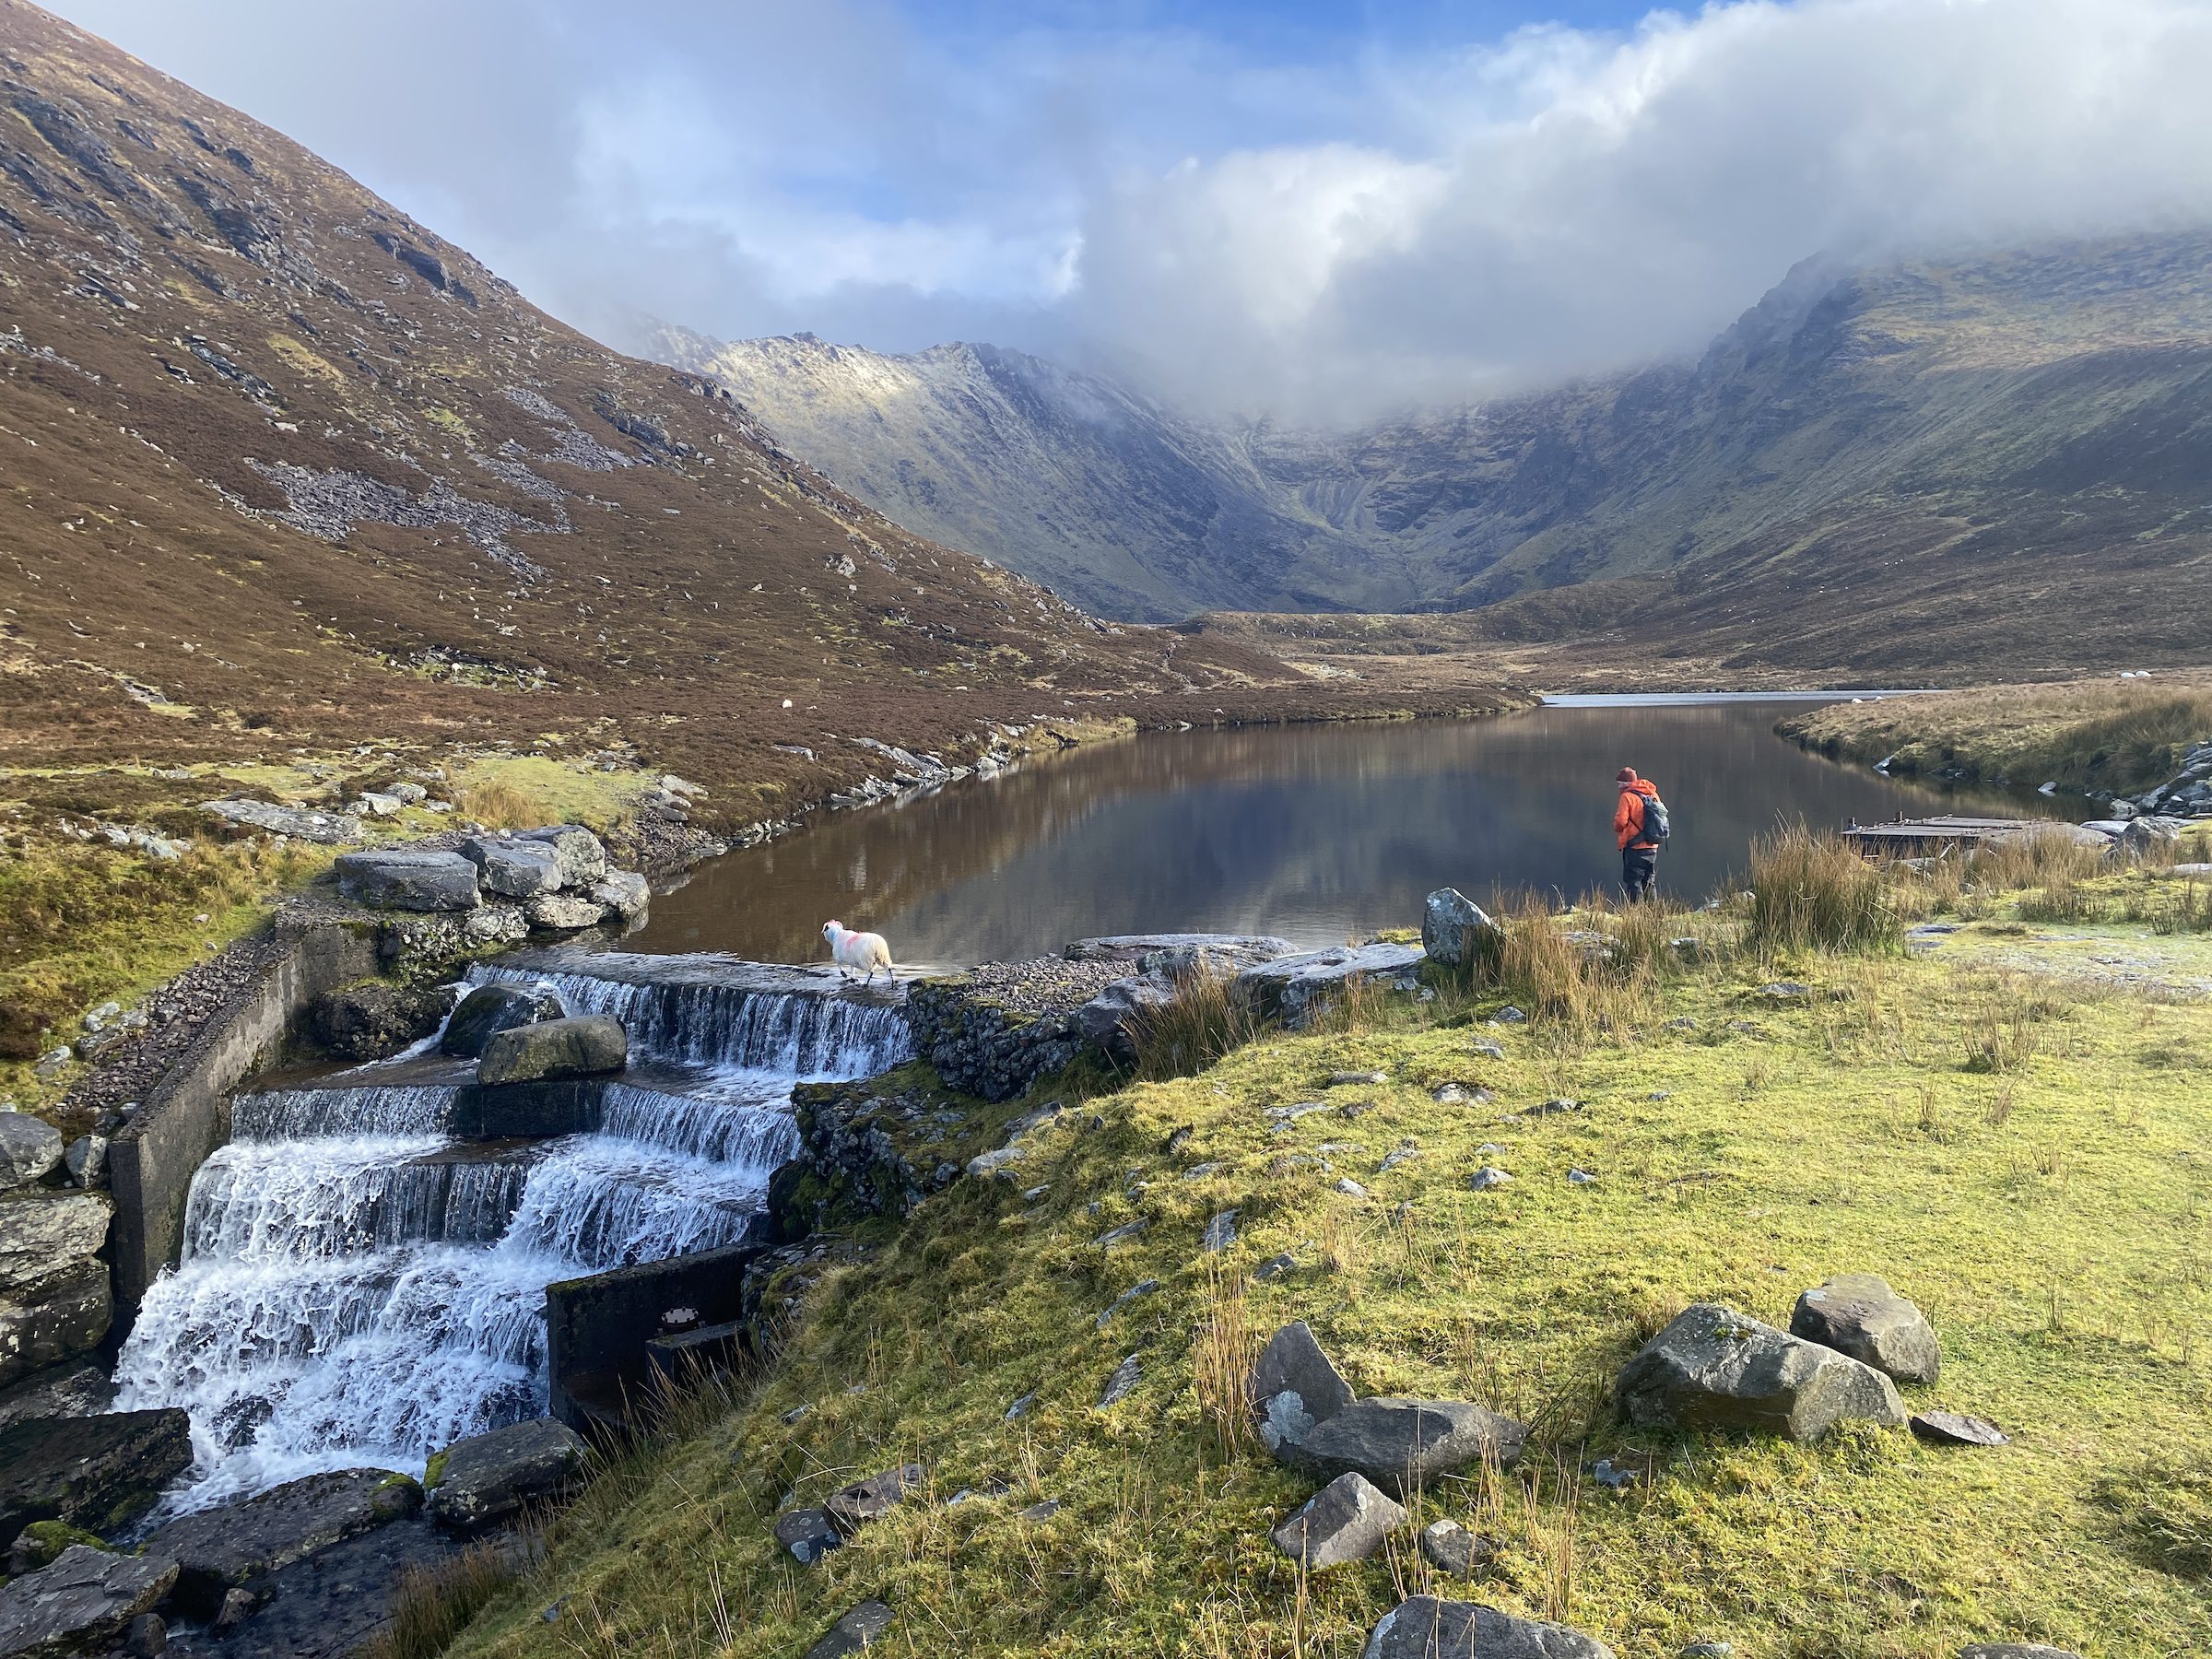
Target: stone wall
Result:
[[993, 1031], [187, 1116]]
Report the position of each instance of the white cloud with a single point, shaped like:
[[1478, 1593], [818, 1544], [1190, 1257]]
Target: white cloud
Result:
[[1322, 239]]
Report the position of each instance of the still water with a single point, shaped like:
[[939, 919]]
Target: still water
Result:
[[1312, 832]]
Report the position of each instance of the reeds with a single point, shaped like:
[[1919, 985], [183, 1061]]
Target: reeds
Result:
[[1811, 892], [433, 1604], [1205, 1021]]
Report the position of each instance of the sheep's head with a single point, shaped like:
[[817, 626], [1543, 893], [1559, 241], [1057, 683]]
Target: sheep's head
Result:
[[831, 929]]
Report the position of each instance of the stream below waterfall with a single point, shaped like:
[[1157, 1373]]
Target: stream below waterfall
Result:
[[360, 1285]]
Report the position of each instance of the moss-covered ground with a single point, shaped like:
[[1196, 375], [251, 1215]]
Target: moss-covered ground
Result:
[[2027, 1155]]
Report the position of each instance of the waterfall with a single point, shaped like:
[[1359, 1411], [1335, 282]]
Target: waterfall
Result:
[[357, 1286]]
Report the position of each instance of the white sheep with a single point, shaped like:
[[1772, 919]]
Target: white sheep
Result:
[[857, 950]]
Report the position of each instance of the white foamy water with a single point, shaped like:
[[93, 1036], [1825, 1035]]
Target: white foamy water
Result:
[[359, 1287]]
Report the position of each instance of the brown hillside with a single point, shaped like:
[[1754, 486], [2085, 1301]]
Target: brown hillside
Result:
[[283, 468]]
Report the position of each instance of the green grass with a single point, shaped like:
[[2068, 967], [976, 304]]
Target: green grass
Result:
[[1994, 1143]]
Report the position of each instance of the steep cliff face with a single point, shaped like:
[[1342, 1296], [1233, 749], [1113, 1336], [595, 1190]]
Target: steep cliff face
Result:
[[282, 466], [1990, 431]]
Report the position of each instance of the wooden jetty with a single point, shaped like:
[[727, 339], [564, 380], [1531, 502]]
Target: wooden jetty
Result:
[[1934, 837]]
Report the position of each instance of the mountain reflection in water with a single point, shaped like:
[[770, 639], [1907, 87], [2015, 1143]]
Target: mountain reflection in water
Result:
[[1313, 832]]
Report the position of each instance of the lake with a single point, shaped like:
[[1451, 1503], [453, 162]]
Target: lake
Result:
[[1315, 833]]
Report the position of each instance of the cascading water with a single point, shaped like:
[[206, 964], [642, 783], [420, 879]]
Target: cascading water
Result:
[[359, 1287]]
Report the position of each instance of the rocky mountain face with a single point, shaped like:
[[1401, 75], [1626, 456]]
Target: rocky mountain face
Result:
[[283, 467], [1941, 451]]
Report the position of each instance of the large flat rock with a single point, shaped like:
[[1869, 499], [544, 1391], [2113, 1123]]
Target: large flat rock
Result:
[[409, 880], [1296, 989], [1403, 1445], [1176, 953], [82, 1603], [93, 1472], [221, 1548], [582, 1045]]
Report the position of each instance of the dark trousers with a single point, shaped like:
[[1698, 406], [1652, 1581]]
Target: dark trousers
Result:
[[1639, 872]]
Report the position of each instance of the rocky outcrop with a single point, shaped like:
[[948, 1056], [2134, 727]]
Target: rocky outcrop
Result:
[[488, 1010], [483, 1481], [580, 1045], [55, 1301], [408, 880], [323, 829], [376, 1018], [81, 1604], [865, 1148], [95, 1472], [1859, 1314], [1424, 1627], [1715, 1369], [1296, 990], [993, 1032], [238, 1546]]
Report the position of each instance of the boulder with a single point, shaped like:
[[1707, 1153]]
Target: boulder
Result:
[[1404, 1444], [323, 829], [405, 879], [1424, 1627], [1121, 1384], [623, 895], [1456, 930], [488, 1010], [513, 869], [220, 1549], [86, 1160], [1713, 1369], [852, 1507], [858, 1630], [579, 852], [1858, 1314], [581, 1045], [376, 1019], [83, 1603], [1452, 1549], [1346, 1521], [1110, 1021], [1296, 989], [482, 1482], [1294, 1387], [46, 1232], [95, 1472], [30, 1149], [563, 913], [808, 1534]]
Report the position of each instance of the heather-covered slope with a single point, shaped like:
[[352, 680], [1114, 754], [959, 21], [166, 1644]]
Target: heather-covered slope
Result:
[[285, 468]]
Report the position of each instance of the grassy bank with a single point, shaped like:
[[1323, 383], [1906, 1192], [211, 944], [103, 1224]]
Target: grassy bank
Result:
[[83, 922], [2103, 734], [2013, 1140]]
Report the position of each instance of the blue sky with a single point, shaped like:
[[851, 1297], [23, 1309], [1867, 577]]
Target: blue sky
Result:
[[1316, 212]]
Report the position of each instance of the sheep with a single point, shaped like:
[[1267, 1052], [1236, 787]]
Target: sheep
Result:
[[856, 950]]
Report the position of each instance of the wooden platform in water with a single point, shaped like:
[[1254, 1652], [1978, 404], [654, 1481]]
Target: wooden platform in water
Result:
[[1922, 837]]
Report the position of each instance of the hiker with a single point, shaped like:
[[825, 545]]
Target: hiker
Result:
[[1639, 826]]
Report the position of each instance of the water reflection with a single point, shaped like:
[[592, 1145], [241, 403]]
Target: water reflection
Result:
[[1313, 832]]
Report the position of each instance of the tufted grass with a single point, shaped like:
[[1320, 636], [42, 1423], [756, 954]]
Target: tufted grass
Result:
[[2051, 1209]]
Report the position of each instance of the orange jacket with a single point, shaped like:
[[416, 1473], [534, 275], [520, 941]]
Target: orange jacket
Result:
[[1628, 818]]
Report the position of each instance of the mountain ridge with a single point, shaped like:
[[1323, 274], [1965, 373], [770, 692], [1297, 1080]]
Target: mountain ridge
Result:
[[2056, 393]]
